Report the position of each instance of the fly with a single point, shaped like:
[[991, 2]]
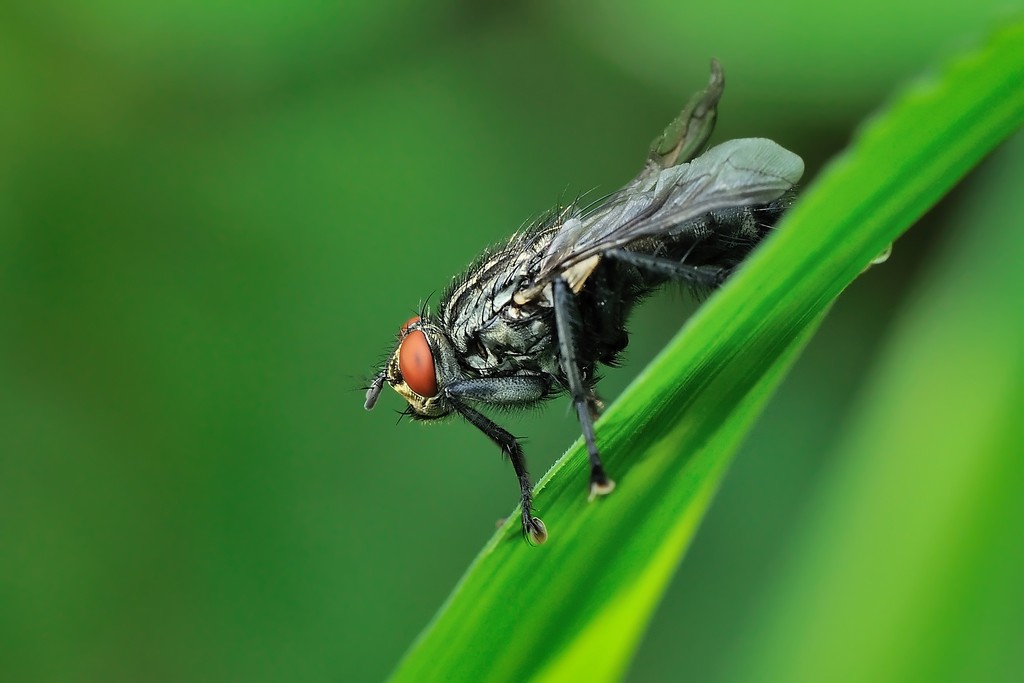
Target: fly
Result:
[[534, 317]]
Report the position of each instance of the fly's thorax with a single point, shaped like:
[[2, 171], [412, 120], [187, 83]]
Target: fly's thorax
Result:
[[487, 289], [423, 364]]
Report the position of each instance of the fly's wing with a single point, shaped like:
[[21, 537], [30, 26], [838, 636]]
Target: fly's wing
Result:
[[744, 172]]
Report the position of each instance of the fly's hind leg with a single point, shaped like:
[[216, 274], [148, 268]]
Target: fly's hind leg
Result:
[[685, 137], [698, 277], [566, 320]]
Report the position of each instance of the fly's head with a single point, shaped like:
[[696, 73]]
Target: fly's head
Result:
[[421, 366]]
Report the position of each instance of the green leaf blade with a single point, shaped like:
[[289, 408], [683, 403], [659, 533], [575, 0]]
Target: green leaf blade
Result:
[[909, 565], [579, 604]]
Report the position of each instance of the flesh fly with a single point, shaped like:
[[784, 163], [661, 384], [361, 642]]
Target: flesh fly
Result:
[[535, 316]]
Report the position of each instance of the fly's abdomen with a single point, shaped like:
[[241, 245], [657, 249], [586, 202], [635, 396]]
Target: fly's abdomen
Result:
[[721, 238]]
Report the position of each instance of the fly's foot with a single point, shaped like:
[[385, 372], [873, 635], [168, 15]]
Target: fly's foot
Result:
[[534, 529], [600, 484]]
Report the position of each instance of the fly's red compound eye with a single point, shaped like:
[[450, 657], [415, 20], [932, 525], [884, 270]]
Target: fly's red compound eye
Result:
[[410, 322], [416, 363]]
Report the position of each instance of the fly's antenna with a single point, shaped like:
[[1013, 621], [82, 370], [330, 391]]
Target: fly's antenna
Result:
[[373, 391]]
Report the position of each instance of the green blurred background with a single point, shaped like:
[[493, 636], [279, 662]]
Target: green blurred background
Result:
[[214, 216]]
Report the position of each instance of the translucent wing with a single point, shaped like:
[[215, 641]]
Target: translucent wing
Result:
[[744, 172]]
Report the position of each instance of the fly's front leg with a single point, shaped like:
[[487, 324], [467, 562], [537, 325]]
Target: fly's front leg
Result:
[[566, 318], [533, 527], [519, 390]]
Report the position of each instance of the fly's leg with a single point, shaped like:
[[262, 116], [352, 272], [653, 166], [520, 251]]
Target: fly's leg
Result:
[[685, 137], [533, 527], [518, 390], [698, 277], [566, 319]]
